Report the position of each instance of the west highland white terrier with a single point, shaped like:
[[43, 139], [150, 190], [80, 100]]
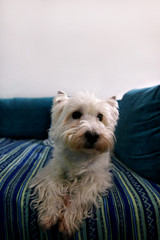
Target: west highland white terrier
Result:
[[68, 187]]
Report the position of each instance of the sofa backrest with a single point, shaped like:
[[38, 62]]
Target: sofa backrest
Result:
[[22, 118], [138, 132]]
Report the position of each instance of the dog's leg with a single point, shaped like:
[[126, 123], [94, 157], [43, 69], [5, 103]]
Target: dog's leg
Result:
[[48, 201], [81, 202], [72, 217], [49, 211], [75, 212]]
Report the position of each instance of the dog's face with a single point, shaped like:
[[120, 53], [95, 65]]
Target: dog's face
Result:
[[83, 122]]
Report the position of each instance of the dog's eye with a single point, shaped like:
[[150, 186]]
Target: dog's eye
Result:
[[76, 115], [100, 117]]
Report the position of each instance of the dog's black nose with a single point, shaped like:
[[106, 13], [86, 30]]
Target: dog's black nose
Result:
[[91, 137]]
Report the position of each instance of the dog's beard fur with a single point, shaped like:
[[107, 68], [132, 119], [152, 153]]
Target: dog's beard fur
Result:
[[79, 172]]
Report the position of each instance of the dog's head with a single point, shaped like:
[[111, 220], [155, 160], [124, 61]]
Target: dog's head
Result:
[[84, 122]]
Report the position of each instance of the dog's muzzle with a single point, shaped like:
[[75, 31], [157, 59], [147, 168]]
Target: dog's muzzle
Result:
[[91, 139]]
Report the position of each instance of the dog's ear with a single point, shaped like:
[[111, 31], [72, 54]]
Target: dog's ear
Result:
[[61, 96], [113, 106], [112, 101], [56, 110]]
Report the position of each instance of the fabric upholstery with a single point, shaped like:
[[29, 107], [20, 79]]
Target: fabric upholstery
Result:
[[22, 118], [131, 210], [138, 132]]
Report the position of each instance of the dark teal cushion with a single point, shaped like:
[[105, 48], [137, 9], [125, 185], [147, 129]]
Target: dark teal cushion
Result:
[[22, 118], [138, 132]]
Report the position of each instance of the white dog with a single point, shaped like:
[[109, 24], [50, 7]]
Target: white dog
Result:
[[66, 189]]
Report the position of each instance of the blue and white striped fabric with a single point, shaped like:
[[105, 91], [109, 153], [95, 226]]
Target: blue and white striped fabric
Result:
[[131, 211]]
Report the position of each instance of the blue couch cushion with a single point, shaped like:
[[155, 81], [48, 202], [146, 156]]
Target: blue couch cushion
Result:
[[23, 118], [130, 211], [138, 132]]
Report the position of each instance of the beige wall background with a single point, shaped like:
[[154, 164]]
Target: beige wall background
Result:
[[104, 46]]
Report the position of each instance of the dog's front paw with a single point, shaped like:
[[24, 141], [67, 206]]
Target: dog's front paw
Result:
[[69, 222], [66, 228], [47, 223], [63, 226]]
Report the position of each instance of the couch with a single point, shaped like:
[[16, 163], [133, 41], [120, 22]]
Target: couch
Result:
[[132, 208]]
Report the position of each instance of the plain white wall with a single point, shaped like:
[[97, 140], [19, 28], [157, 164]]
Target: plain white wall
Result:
[[104, 46]]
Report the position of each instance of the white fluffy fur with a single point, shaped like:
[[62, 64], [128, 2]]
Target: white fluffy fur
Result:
[[66, 189]]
